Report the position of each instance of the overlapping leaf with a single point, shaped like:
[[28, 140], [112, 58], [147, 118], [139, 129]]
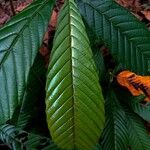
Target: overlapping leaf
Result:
[[143, 110], [32, 103], [115, 135], [19, 43], [97, 147], [19, 139], [135, 103], [126, 37], [138, 136], [74, 101]]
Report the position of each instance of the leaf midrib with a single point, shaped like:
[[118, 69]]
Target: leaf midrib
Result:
[[29, 20], [133, 124], [71, 58], [138, 49], [107, 18], [115, 108]]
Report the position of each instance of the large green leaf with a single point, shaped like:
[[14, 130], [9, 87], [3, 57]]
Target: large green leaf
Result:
[[32, 104], [115, 135], [138, 136], [19, 43], [74, 101], [18, 139], [126, 37]]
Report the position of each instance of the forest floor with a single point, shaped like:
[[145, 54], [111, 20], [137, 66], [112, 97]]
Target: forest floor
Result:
[[8, 8]]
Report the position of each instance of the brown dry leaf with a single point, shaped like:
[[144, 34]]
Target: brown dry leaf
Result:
[[54, 17], [3, 17], [44, 50], [138, 16], [22, 6], [146, 14], [130, 4], [136, 84]]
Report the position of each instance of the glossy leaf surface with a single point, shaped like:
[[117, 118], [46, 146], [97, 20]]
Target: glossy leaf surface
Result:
[[125, 36], [74, 101], [20, 40]]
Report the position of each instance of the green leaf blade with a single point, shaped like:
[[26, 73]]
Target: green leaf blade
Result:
[[74, 101], [115, 135], [15, 138], [33, 96], [143, 110], [126, 37], [138, 136], [20, 40]]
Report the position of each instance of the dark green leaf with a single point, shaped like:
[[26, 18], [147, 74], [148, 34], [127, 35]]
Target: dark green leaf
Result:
[[97, 147], [135, 104], [125, 36], [32, 105], [20, 40], [18, 139], [138, 136], [115, 135], [99, 61], [142, 110]]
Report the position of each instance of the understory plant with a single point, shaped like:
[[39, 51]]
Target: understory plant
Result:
[[75, 104]]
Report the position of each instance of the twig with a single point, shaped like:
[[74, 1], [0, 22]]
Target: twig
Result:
[[12, 7]]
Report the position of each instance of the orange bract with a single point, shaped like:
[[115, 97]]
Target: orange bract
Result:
[[136, 84]]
